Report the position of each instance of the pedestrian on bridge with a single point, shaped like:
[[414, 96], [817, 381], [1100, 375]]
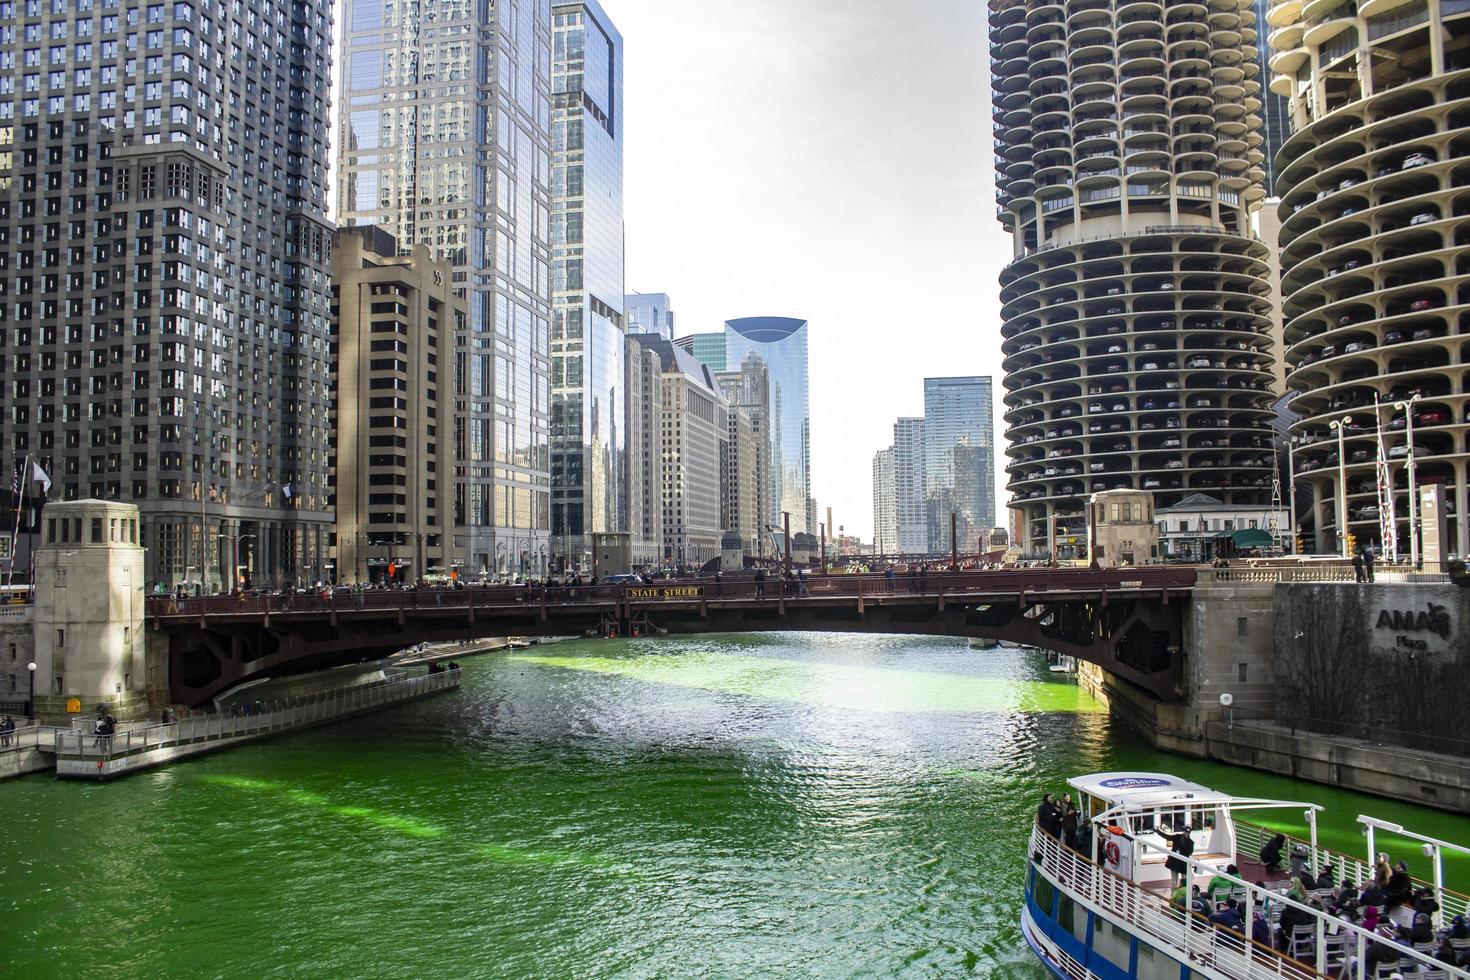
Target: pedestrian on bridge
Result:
[[760, 583], [7, 727]]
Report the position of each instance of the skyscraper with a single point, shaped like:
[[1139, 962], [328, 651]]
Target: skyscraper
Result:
[[782, 343], [748, 472], [885, 519], [910, 512], [588, 442], [446, 141], [394, 320], [708, 347], [649, 313], [959, 460], [1275, 116], [1373, 264], [1137, 312], [163, 221]]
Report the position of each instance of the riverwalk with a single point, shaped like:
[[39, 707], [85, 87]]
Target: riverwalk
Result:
[[78, 754]]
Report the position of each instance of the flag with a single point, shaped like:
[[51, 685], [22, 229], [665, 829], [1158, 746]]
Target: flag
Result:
[[39, 475], [287, 491], [15, 482]]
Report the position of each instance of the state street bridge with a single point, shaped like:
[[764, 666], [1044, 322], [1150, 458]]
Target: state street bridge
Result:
[[1126, 620]]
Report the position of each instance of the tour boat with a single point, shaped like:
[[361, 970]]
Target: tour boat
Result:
[[1106, 914]]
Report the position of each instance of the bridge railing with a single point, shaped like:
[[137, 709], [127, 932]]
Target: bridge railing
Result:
[[74, 746], [986, 581], [32, 737], [1433, 573]]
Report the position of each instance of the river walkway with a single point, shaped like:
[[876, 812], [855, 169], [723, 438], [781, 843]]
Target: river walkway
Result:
[[83, 755]]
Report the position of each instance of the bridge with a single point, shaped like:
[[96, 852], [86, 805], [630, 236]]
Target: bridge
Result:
[[1127, 620]]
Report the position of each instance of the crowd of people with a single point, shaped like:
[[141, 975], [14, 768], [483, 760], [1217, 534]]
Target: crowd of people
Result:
[[1399, 913]]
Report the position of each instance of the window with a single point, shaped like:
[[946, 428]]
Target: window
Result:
[[97, 530], [1242, 626], [60, 638]]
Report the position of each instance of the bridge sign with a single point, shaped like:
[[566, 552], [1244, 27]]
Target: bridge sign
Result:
[[667, 592]]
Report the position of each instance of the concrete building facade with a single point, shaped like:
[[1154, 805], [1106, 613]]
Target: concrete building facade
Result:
[[445, 137], [1188, 529], [910, 512], [166, 250], [643, 510], [394, 322], [588, 442], [747, 478], [1137, 314], [885, 515], [1373, 279], [693, 426]]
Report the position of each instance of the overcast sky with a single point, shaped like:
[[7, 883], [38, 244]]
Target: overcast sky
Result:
[[829, 160]]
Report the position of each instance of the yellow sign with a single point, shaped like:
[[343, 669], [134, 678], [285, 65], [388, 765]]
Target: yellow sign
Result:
[[668, 592], [73, 705]]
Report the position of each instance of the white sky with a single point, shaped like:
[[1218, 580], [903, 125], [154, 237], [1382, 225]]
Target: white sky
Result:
[[830, 160]]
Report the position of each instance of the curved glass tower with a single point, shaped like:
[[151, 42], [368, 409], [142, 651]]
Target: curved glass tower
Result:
[[1374, 277], [781, 342], [1137, 311]]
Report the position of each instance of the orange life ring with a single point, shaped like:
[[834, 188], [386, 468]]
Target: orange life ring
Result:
[[1112, 852]]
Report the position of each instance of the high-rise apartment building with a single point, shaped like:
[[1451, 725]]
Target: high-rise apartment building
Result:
[[588, 443], [1373, 272], [909, 508], [692, 428], [643, 514], [782, 343], [166, 256], [649, 313], [885, 517], [446, 142], [394, 321], [959, 460], [1137, 313], [748, 456]]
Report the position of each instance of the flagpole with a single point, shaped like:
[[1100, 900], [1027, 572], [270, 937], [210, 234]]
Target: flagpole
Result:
[[15, 527]]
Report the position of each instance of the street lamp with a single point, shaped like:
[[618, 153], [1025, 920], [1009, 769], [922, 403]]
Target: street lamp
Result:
[[1407, 407], [31, 704], [1339, 426], [1291, 486]]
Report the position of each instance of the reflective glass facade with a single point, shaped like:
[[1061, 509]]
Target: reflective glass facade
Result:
[[649, 313], [959, 460], [709, 348], [446, 142], [588, 442], [782, 343]]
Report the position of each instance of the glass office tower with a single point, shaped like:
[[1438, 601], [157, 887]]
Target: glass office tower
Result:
[[959, 460], [709, 348], [166, 288], [782, 343], [649, 313], [587, 324], [446, 141]]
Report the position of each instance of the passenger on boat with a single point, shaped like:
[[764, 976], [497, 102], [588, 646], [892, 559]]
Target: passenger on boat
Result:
[[1199, 902], [1229, 917], [1220, 886], [1324, 880], [1422, 931], [1381, 870], [1300, 869], [1261, 930], [1182, 844], [1049, 815], [1271, 853], [1069, 821], [1291, 916]]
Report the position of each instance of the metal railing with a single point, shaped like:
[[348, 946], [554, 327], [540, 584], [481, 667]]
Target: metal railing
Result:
[[32, 737], [1195, 939], [933, 579], [1229, 953], [88, 748], [1250, 838], [1433, 573]]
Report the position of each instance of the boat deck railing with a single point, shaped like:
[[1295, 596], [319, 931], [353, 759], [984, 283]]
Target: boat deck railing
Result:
[[1250, 838], [82, 753], [1198, 941]]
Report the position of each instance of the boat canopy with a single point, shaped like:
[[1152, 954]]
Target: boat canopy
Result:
[[1144, 788]]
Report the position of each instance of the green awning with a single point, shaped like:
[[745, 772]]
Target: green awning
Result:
[[1252, 537]]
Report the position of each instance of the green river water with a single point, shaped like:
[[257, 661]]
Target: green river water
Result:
[[756, 806]]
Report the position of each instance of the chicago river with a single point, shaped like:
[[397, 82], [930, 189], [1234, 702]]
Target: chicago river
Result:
[[796, 805]]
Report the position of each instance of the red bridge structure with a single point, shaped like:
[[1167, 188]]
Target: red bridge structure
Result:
[[1126, 620]]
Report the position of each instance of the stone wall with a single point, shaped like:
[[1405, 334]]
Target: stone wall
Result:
[[1386, 662]]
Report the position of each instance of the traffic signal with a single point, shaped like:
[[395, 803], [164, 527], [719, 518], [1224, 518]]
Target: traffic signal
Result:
[[1352, 543], [1300, 546]]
